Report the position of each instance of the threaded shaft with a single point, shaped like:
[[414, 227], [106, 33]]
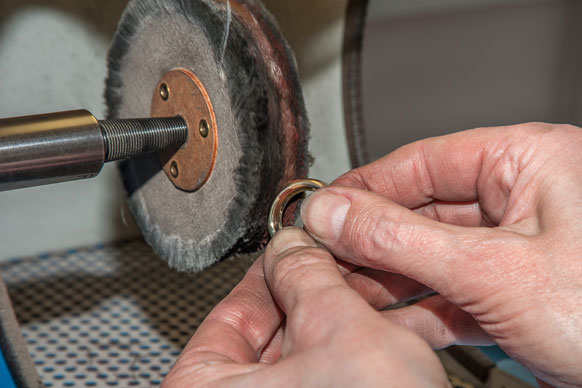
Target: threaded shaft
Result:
[[132, 137]]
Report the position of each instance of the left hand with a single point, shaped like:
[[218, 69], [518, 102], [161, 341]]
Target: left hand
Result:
[[294, 321]]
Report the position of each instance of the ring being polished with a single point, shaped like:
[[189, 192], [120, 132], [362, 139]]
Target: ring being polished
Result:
[[284, 196]]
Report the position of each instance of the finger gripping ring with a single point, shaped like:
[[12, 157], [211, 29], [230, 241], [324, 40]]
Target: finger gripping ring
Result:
[[284, 196]]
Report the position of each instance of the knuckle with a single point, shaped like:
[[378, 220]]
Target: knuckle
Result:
[[564, 134], [198, 367], [352, 178], [376, 231], [560, 134], [296, 264], [530, 128]]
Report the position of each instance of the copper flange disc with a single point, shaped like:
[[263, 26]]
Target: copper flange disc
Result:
[[180, 93]]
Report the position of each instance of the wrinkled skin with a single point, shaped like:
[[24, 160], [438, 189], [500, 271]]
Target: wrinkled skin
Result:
[[488, 218], [293, 321]]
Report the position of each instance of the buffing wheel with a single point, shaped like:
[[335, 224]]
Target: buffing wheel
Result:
[[235, 50]]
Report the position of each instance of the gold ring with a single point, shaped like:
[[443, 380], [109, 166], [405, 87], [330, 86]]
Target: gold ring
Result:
[[282, 199]]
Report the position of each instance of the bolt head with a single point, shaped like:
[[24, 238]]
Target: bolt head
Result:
[[164, 92], [174, 169], [204, 129]]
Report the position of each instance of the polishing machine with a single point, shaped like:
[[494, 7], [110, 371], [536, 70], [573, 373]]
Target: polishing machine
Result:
[[206, 116]]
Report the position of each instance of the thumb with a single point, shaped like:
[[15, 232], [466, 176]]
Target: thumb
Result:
[[307, 284], [368, 230]]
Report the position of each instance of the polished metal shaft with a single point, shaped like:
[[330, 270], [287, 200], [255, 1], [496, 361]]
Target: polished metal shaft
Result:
[[64, 146]]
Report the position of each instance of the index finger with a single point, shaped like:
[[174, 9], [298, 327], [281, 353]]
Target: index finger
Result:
[[445, 168]]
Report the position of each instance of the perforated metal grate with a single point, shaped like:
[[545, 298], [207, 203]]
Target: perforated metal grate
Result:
[[111, 315]]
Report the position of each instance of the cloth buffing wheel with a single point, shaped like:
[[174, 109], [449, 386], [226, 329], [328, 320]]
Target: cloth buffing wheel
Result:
[[236, 50]]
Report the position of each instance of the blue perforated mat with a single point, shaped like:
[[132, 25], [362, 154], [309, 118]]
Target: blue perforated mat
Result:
[[111, 315]]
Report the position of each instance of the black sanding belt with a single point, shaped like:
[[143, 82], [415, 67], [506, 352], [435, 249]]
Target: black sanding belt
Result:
[[237, 51]]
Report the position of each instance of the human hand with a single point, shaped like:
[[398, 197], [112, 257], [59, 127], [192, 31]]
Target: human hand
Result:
[[294, 321], [495, 228]]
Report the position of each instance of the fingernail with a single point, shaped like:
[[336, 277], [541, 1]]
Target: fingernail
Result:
[[288, 238], [324, 214]]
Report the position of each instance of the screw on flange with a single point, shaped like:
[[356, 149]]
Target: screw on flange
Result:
[[164, 92], [204, 130], [174, 169]]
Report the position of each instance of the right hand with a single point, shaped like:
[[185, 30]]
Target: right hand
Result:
[[496, 230]]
